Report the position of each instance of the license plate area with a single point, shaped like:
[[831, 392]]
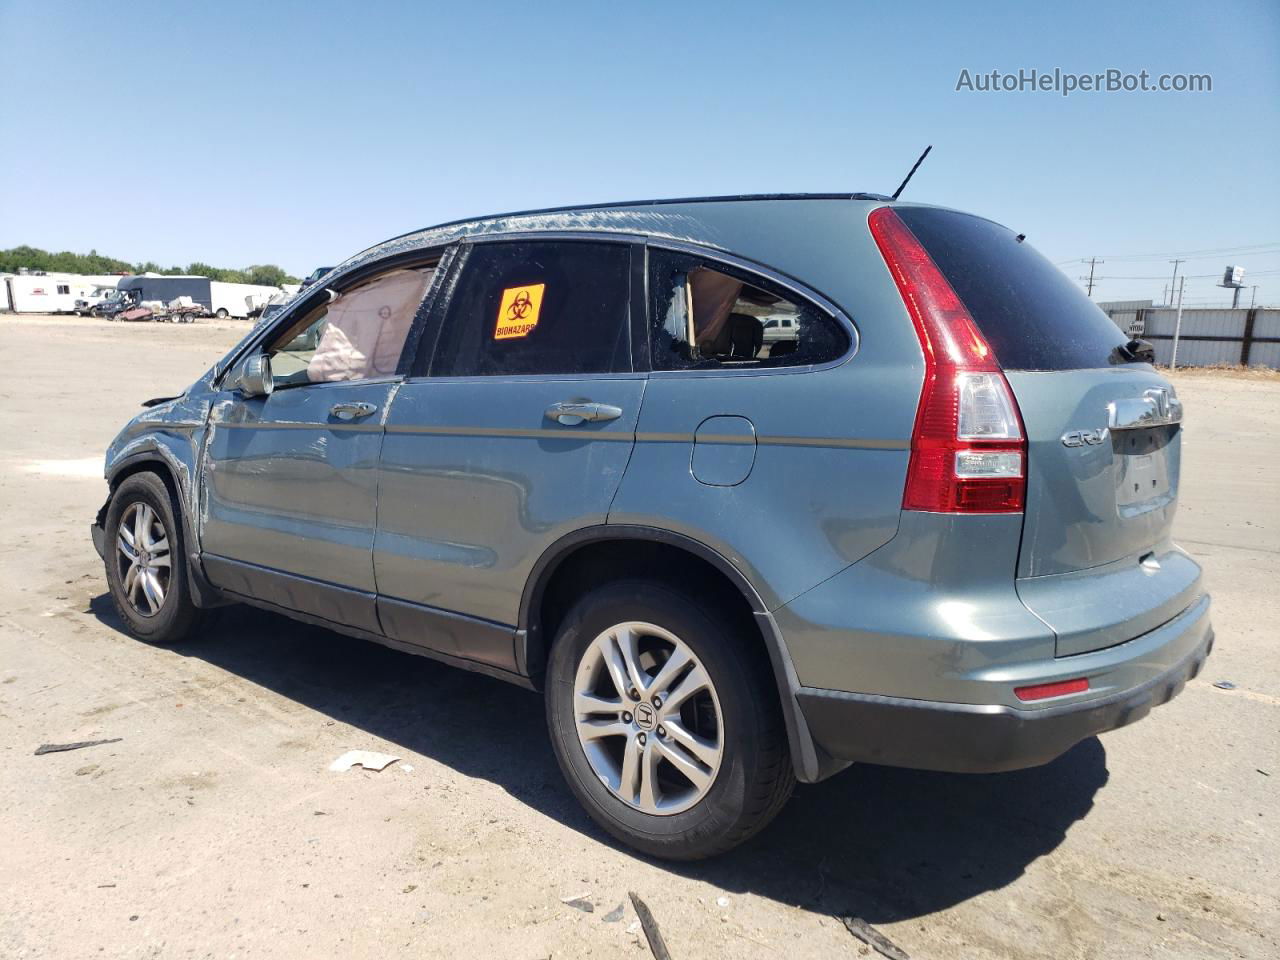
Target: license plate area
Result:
[[1141, 469]]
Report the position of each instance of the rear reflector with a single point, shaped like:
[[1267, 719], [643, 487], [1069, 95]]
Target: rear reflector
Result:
[[1042, 691], [968, 454]]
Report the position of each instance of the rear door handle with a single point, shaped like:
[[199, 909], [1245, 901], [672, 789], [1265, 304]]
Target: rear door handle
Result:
[[1155, 408], [573, 413], [352, 411]]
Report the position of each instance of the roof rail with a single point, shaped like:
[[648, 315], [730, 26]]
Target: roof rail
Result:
[[727, 198]]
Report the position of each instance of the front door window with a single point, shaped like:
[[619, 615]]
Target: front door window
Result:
[[359, 334]]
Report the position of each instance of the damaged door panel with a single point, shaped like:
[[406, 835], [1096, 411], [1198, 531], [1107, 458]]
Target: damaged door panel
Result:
[[291, 489], [290, 468]]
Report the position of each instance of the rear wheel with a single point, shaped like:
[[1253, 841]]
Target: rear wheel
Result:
[[145, 561], [665, 724], [222, 313]]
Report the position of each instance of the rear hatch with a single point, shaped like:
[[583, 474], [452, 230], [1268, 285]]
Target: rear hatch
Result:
[[1096, 562]]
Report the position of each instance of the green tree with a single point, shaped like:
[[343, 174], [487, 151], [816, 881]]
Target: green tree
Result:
[[33, 258], [268, 274]]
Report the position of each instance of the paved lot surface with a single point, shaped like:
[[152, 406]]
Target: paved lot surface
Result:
[[213, 828]]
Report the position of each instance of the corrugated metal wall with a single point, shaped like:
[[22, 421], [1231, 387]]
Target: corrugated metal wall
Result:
[[1266, 324], [1208, 336]]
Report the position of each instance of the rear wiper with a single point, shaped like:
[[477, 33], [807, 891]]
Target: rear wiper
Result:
[[1135, 351]]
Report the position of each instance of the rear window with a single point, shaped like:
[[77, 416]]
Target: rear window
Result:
[[1031, 314], [716, 317]]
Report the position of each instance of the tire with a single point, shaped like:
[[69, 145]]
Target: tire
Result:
[[751, 777], [144, 500], [222, 313]]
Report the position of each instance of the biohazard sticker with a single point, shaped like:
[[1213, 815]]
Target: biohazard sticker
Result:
[[518, 311]]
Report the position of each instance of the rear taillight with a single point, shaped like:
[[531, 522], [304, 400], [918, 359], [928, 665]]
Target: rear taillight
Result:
[[968, 452]]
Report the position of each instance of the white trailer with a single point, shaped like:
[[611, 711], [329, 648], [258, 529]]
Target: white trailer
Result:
[[51, 292], [237, 299]]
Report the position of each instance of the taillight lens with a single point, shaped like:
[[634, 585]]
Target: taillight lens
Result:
[[968, 452]]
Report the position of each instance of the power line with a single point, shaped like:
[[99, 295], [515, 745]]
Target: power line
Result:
[[1253, 250], [1189, 276], [1196, 254]]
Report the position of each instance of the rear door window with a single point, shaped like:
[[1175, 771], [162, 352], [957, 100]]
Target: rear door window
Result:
[[706, 315], [538, 307], [1033, 317]]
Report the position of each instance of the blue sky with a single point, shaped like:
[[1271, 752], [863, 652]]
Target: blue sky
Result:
[[298, 133]]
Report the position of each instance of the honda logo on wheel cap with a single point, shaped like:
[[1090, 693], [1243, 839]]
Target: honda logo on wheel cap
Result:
[[644, 716]]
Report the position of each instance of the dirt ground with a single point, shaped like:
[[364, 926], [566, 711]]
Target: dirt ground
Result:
[[213, 828]]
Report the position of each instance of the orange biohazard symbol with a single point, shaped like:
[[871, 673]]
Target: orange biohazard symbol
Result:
[[518, 311]]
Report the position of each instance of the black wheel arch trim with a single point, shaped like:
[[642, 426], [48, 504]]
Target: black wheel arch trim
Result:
[[810, 761]]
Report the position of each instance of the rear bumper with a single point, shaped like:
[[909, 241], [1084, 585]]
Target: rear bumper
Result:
[[978, 738]]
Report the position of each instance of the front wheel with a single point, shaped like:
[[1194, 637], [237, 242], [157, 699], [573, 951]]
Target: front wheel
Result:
[[145, 561], [666, 722]]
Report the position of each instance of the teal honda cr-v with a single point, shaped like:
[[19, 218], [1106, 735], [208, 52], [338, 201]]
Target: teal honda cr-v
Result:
[[749, 487]]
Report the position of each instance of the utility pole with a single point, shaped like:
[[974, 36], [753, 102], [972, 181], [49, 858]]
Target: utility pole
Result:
[[1177, 327], [1092, 262], [1175, 276], [1254, 298]]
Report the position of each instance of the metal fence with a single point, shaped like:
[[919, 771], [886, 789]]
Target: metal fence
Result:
[[1248, 337]]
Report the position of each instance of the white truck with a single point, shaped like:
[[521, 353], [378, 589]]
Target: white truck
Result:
[[238, 299]]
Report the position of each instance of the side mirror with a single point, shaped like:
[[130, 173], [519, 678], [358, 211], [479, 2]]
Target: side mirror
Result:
[[253, 376]]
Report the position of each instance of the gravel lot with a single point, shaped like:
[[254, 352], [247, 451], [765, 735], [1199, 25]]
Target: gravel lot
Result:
[[213, 828]]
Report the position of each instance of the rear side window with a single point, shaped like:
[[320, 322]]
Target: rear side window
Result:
[[1033, 317], [708, 316], [538, 307]]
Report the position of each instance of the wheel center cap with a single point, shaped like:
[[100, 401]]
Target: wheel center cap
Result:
[[645, 716]]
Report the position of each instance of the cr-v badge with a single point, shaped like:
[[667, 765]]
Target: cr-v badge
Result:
[[1078, 438]]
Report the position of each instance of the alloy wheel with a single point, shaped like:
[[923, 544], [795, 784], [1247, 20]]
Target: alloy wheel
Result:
[[648, 718], [142, 551]]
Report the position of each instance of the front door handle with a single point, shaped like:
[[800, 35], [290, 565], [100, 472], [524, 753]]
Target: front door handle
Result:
[[352, 411], [573, 413]]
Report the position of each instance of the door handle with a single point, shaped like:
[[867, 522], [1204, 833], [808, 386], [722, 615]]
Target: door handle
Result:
[[352, 411], [573, 413], [1155, 408]]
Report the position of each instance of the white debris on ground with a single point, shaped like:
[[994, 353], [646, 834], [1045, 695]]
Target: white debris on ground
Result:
[[90, 467]]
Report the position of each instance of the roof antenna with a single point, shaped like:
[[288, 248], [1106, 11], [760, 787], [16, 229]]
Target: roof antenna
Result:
[[902, 186]]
